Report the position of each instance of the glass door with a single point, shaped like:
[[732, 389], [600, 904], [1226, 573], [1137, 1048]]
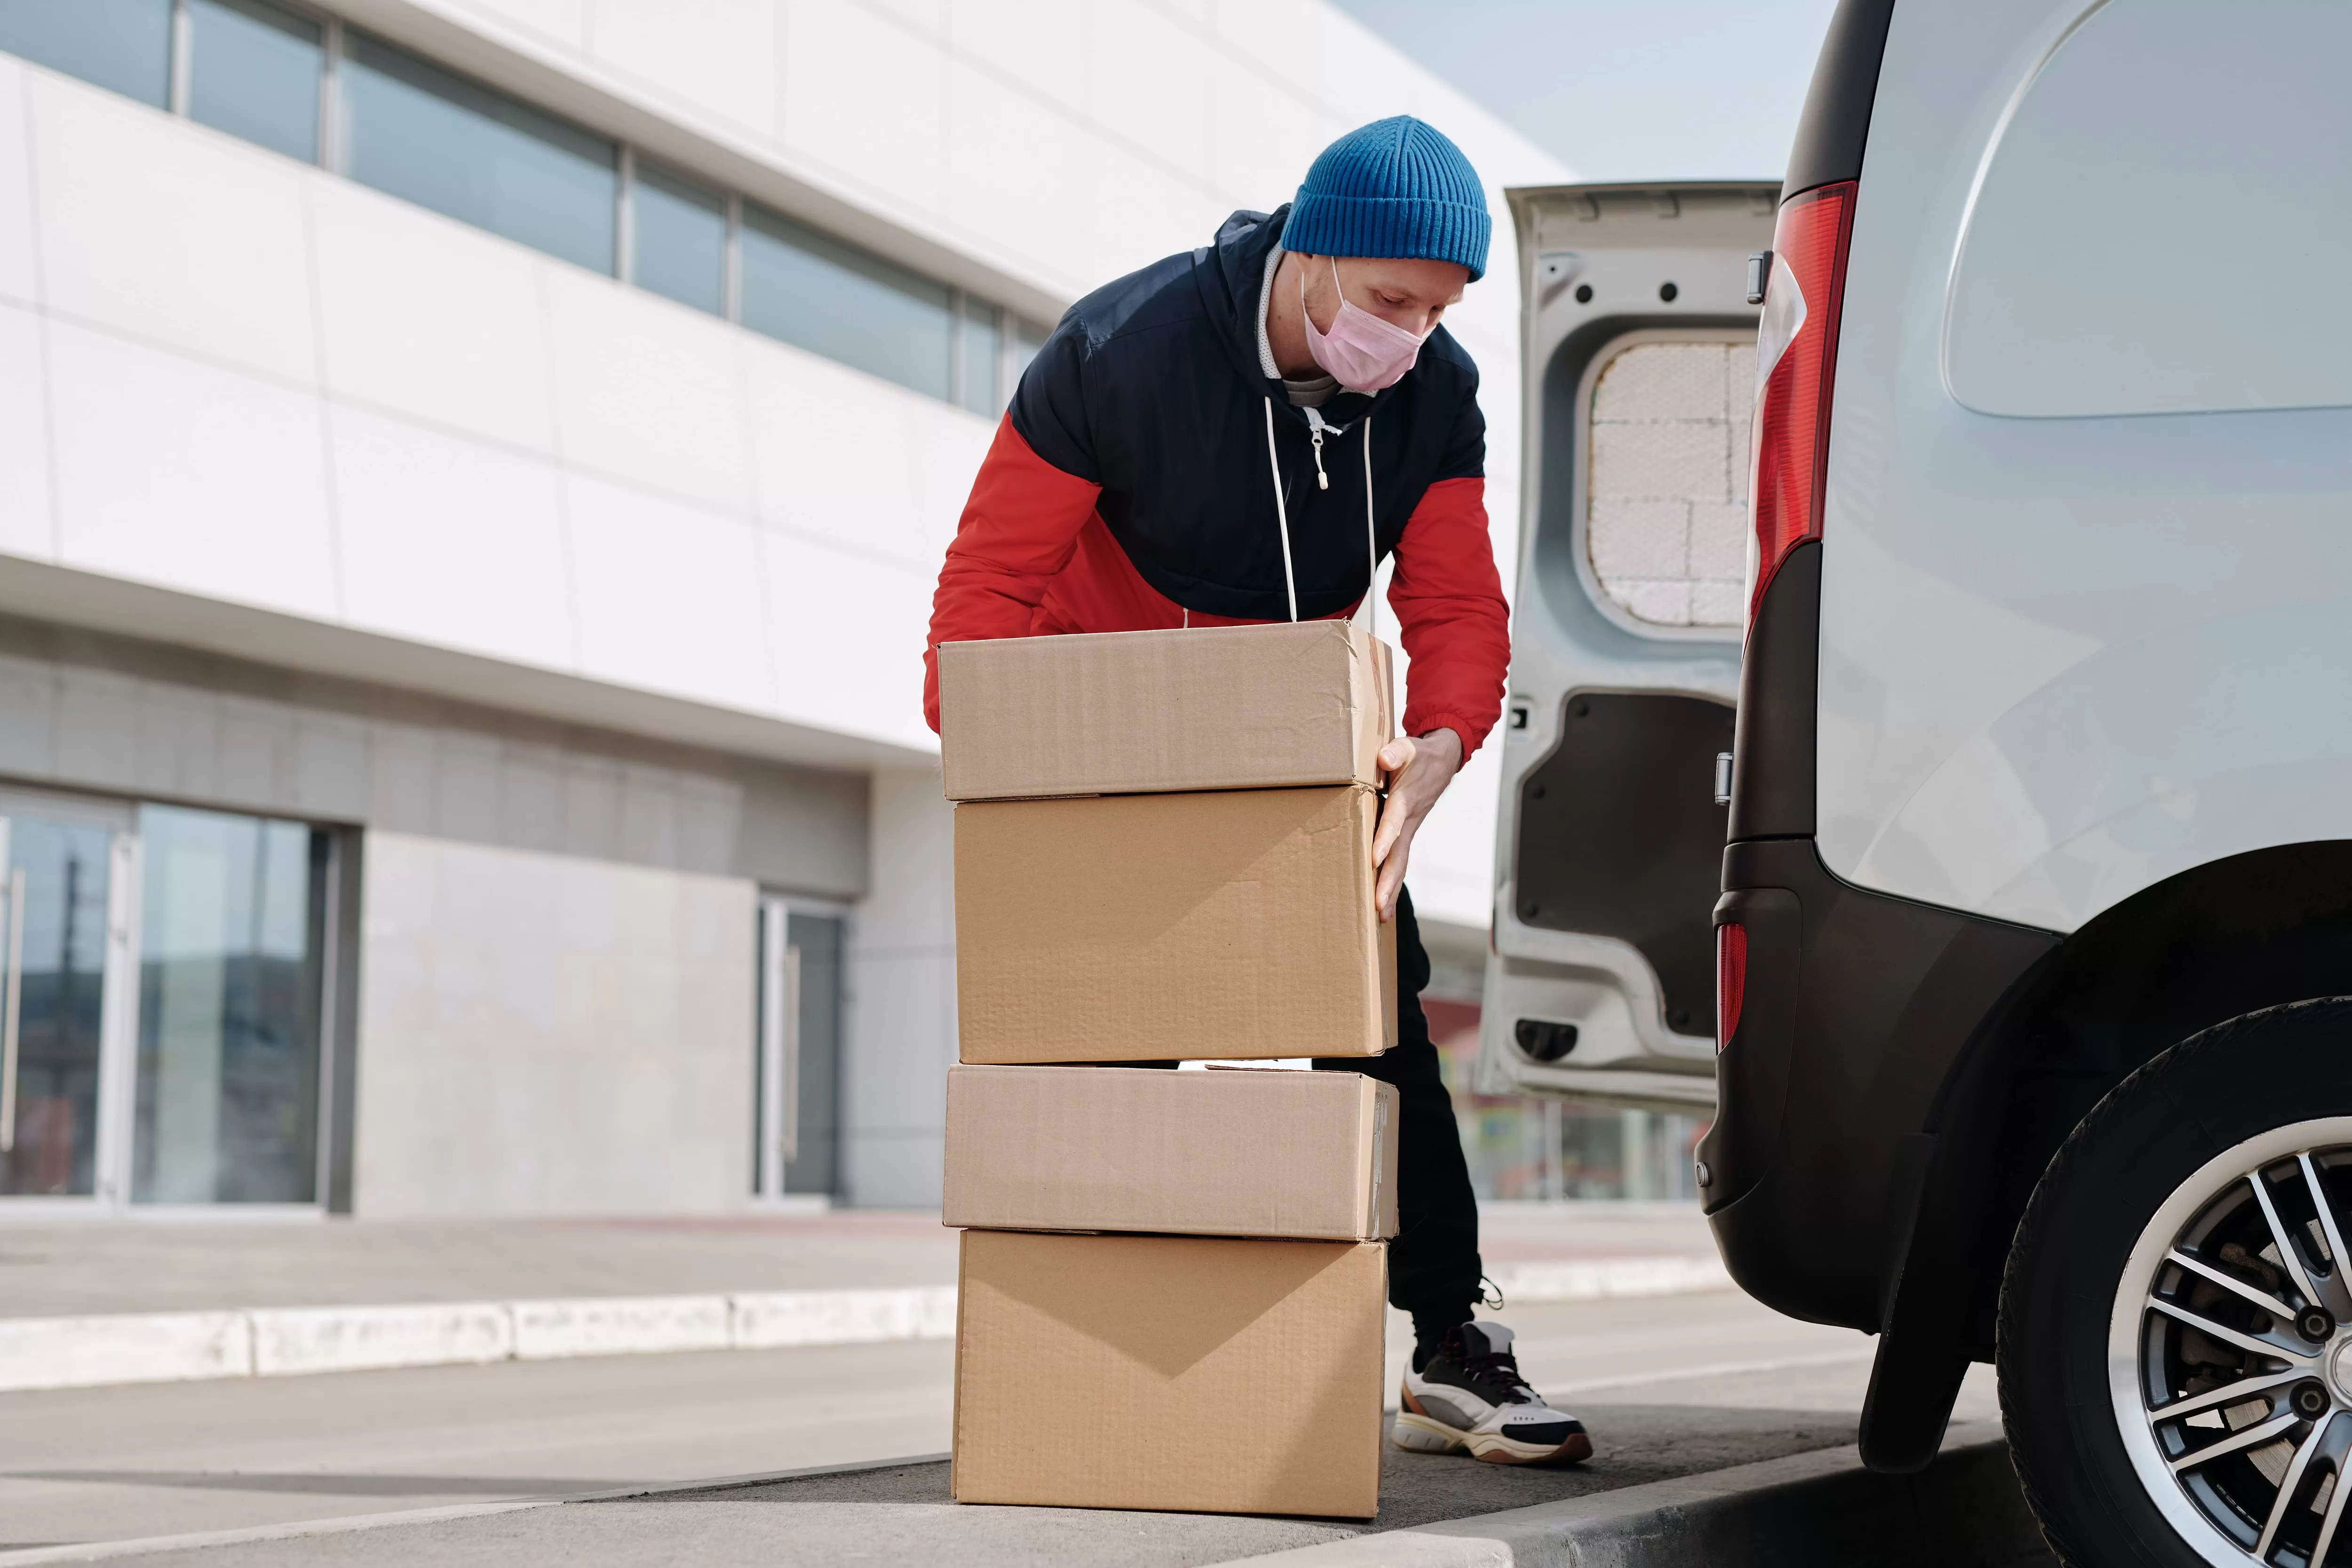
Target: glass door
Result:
[[796, 1067], [65, 880], [232, 948]]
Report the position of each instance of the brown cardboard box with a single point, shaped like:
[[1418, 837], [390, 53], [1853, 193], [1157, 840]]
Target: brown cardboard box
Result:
[[1156, 927], [1137, 712], [1170, 1372], [1310, 1155]]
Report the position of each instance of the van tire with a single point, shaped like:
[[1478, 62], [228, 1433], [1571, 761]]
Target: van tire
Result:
[[2151, 1136]]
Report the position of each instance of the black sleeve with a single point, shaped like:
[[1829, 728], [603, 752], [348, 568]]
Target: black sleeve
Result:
[[1049, 406], [1465, 446]]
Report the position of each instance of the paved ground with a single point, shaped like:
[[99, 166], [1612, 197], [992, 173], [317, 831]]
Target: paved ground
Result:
[[57, 1271], [1670, 1386]]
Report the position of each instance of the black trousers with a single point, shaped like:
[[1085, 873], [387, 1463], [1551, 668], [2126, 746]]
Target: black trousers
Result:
[[1433, 1268]]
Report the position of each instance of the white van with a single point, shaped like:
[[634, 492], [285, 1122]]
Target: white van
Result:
[[2032, 959]]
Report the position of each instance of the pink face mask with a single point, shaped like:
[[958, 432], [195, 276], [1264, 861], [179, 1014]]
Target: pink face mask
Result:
[[1363, 353]]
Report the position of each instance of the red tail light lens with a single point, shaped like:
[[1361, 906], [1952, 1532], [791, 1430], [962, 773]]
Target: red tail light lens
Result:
[[1731, 979], [1796, 358]]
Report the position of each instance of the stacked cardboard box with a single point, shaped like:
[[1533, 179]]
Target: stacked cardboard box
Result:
[[1173, 1283]]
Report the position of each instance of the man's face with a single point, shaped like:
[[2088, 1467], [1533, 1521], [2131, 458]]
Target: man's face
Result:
[[1411, 294]]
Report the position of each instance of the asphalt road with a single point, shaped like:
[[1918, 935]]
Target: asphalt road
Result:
[[1681, 1384]]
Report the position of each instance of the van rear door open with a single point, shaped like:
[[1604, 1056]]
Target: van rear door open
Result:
[[1639, 359]]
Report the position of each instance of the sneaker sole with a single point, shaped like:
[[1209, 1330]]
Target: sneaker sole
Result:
[[1420, 1435]]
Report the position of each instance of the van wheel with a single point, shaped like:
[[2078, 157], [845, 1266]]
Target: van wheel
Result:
[[2176, 1321]]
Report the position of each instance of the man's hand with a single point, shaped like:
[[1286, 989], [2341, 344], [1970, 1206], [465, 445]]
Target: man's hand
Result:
[[1418, 772]]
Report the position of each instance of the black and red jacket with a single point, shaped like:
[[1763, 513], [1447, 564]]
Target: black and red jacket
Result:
[[1129, 488]]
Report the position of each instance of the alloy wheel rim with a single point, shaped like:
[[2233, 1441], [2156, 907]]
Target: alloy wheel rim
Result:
[[2230, 1352]]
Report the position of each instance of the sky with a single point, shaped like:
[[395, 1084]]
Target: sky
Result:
[[1625, 89]]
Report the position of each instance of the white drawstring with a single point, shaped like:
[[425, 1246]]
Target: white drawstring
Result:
[[1281, 512], [1371, 541], [1315, 425], [1282, 515]]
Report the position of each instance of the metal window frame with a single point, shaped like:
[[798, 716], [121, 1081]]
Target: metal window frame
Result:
[[175, 94], [732, 290], [624, 202], [955, 349], [331, 97]]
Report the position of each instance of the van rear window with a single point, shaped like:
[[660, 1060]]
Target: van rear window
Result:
[[1666, 506]]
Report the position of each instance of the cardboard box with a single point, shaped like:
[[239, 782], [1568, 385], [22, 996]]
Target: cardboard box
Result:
[[1146, 712], [1167, 1372], [1128, 927], [1310, 1155]]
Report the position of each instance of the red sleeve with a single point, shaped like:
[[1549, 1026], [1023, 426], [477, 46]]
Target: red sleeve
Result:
[[1450, 615], [1017, 531]]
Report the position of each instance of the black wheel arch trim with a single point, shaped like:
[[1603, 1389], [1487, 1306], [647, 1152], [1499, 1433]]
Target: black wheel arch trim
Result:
[[2217, 942]]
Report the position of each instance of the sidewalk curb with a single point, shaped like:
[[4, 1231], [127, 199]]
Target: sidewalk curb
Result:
[[1819, 1509], [38, 1353]]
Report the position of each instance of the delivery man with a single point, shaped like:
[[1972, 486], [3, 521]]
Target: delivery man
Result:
[[1235, 435]]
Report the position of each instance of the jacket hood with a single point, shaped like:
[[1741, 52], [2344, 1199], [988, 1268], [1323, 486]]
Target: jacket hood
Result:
[[1230, 272]]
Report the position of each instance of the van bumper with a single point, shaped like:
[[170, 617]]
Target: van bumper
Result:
[[1859, 1010]]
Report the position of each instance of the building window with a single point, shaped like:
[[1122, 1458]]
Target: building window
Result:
[[414, 130], [233, 923], [677, 239], [979, 357], [1028, 342], [123, 46], [254, 71], [1667, 509], [262, 71], [807, 288]]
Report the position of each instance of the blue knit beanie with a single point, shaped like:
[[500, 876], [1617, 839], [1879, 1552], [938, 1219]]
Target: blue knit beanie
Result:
[[1396, 187]]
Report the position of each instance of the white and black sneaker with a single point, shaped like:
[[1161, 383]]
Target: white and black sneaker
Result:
[[1470, 1396]]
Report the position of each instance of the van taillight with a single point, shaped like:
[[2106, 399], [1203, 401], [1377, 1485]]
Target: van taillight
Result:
[[1730, 979], [1796, 357]]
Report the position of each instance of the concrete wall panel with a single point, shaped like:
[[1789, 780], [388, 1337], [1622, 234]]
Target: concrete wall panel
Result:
[[648, 390], [19, 265], [172, 232], [454, 542], [84, 710], [25, 523], [866, 96], [900, 983], [669, 594], [720, 54], [179, 473], [423, 316], [540, 1034]]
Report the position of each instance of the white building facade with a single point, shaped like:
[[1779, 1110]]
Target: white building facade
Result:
[[472, 476]]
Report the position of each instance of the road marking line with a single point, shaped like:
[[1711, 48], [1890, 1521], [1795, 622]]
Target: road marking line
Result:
[[1597, 1278], [1718, 1369], [145, 1545]]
